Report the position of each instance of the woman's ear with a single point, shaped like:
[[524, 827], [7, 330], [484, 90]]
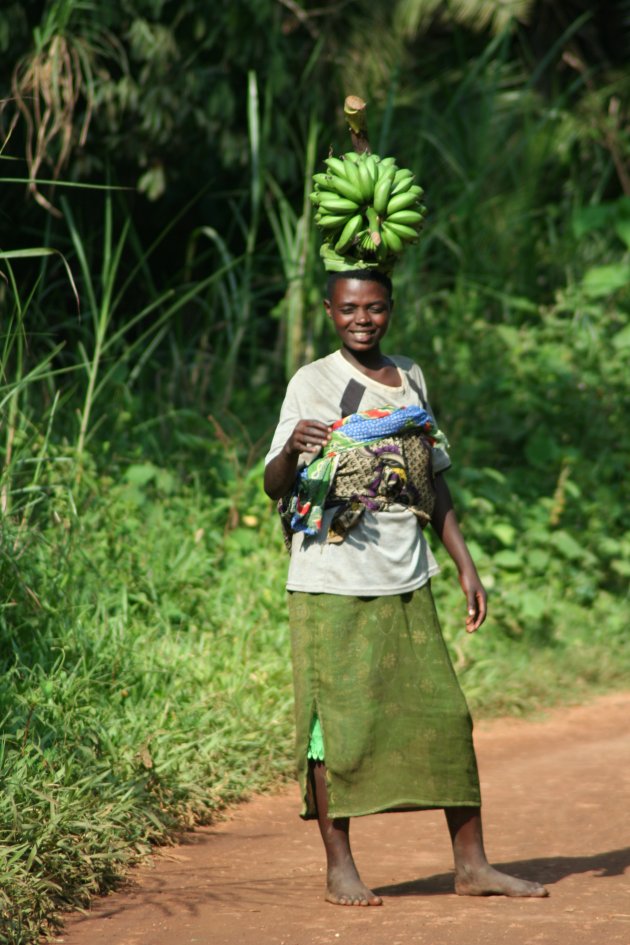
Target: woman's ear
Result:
[[328, 307]]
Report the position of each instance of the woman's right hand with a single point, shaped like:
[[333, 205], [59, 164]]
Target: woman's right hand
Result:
[[308, 437]]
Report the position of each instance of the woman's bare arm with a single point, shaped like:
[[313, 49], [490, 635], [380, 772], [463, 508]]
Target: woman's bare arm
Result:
[[308, 437], [445, 524]]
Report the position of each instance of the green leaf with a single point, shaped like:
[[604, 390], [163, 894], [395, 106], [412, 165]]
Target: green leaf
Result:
[[597, 217], [602, 280], [567, 545], [505, 532], [508, 560], [621, 339], [622, 228], [165, 481], [475, 550], [141, 474], [532, 606], [541, 449], [538, 560]]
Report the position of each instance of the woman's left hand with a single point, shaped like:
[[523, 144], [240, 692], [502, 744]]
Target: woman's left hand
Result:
[[476, 599]]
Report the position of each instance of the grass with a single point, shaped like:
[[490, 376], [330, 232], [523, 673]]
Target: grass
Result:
[[141, 693]]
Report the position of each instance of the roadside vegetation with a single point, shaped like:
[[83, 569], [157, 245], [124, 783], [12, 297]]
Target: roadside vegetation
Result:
[[153, 304]]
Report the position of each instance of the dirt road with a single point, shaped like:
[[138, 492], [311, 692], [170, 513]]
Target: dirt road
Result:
[[557, 809]]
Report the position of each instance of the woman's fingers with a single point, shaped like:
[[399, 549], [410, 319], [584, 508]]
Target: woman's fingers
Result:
[[309, 436], [477, 609]]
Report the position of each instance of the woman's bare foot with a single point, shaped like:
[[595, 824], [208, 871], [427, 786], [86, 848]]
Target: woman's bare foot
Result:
[[486, 881], [343, 883], [344, 887], [473, 874]]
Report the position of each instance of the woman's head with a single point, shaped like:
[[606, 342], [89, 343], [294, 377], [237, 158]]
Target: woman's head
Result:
[[359, 304]]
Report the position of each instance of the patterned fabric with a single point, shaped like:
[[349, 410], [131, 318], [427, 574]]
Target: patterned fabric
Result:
[[396, 729], [374, 458], [397, 469]]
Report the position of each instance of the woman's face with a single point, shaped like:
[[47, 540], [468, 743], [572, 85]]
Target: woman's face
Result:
[[360, 311]]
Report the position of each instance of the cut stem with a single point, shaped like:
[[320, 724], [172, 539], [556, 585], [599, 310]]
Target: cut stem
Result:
[[354, 108]]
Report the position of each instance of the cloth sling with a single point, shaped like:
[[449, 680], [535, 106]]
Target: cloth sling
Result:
[[374, 458]]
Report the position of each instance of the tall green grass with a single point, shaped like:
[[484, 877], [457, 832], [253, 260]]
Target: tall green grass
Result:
[[144, 685]]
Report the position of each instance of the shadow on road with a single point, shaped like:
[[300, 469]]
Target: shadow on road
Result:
[[547, 870]]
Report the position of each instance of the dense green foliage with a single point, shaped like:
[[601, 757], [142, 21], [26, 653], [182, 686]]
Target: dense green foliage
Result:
[[146, 680]]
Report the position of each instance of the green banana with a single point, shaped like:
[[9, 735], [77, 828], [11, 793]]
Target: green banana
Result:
[[372, 167], [331, 203], [335, 166], [391, 239], [352, 175], [367, 243], [408, 217], [403, 173], [417, 190], [402, 184], [388, 162], [333, 221], [323, 181], [343, 187], [401, 202], [402, 187], [352, 156], [383, 190], [405, 233], [349, 232], [366, 182]]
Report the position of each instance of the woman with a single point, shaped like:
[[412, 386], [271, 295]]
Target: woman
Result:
[[382, 724]]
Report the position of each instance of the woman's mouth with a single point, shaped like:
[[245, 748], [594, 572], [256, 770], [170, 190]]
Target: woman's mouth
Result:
[[363, 334]]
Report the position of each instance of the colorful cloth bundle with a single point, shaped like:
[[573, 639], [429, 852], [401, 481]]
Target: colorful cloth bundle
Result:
[[382, 476]]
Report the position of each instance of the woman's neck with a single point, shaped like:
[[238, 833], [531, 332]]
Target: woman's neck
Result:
[[372, 360], [374, 364]]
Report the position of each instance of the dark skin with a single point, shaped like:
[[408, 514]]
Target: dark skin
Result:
[[360, 312]]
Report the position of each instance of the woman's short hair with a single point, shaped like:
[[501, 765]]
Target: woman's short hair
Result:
[[364, 275]]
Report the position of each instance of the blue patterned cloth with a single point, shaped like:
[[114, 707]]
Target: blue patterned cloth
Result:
[[305, 507]]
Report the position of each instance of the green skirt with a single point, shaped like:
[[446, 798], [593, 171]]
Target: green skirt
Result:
[[396, 729]]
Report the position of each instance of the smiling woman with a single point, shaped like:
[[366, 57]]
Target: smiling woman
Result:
[[381, 722]]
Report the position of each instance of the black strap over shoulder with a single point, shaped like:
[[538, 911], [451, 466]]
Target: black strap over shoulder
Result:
[[354, 391], [351, 397], [416, 388]]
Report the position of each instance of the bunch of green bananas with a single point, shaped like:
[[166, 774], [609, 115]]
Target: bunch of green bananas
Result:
[[368, 209]]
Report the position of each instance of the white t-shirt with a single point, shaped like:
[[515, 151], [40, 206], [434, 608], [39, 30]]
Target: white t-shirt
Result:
[[385, 552]]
